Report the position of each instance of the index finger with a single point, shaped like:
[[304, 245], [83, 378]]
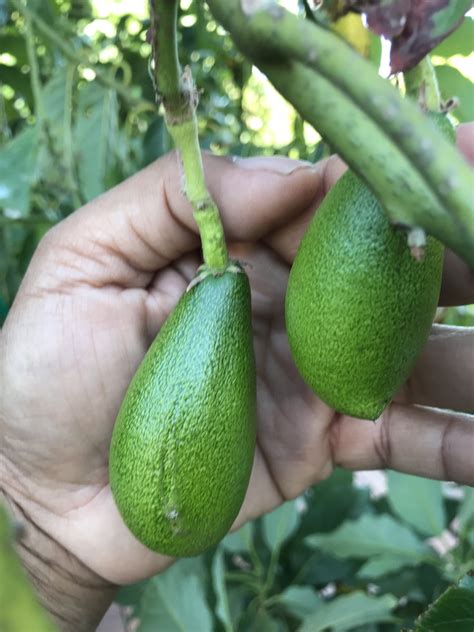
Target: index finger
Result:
[[412, 439]]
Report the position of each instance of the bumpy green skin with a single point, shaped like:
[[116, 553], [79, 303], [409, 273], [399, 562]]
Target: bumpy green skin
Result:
[[443, 123], [358, 307], [184, 440]]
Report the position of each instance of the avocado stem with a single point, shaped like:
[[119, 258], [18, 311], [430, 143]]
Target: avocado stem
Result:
[[421, 84], [179, 97]]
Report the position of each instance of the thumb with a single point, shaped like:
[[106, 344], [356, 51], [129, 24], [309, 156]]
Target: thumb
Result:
[[143, 224]]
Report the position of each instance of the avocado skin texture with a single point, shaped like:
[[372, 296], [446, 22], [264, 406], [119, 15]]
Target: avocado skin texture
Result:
[[359, 308], [184, 440]]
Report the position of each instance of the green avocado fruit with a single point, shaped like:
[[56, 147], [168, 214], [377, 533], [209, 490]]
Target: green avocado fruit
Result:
[[359, 307], [183, 443]]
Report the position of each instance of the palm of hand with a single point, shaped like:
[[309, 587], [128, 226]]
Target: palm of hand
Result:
[[83, 338], [87, 311], [86, 349]]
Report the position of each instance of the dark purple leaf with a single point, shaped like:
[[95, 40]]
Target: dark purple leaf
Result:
[[414, 27], [428, 23], [388, 17]]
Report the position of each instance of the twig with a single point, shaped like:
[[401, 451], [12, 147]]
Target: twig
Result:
[[35, 80], [68, 144], [179, 98]]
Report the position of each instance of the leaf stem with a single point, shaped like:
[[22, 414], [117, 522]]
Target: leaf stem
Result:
[[35, 80], [68, 142], [179, 98]]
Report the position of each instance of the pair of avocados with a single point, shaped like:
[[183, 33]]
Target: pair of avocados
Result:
[[359, 308]]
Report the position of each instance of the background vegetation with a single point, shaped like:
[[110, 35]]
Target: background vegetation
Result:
[[76, 117]]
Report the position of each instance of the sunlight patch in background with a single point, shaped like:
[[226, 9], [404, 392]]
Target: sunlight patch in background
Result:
[[269, 117], [105, 8], [463, 63]]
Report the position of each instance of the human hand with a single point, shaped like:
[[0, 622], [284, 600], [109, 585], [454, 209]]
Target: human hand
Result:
[[98, 289]]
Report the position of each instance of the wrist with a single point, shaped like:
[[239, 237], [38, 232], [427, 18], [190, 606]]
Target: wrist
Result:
[[74, 596]]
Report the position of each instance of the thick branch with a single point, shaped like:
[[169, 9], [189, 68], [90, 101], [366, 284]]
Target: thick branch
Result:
[[420, 178], [165, 57], [179, 98]]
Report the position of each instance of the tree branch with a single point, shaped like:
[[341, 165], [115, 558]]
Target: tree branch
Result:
[[179, 98], [417, 175]]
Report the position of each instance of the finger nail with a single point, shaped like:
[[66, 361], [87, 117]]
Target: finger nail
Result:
[[275, 164]]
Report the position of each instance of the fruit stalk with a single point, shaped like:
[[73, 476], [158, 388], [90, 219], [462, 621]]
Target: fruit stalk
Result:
[[176, 90], [428, 184], [422, 86]]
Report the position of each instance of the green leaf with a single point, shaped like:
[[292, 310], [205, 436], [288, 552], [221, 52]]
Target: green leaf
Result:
[[3, 310], [15, 44], [239, 541], [280, 524], [418, 501], [132, 594], [163, 606], [448, 17], [94, 136], [370, 536], [459, 42], [3, 12], [45, 9], [239, 597], [452, 612], [453, 84], [300, 601], [331, 502], [222, 608], [29, 246], [318, 568], [18, 170], [349, 611], [55, 101], [20, 608], [375, 49], [154, 141], [383, 565], [466, 512], [264, 622], [467, 581]]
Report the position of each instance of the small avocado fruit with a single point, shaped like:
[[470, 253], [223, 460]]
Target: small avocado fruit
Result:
[[359, 307], [183, 443]]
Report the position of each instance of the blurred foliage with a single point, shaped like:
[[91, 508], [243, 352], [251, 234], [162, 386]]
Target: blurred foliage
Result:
[[76, 117], [77, 113], [336, 558]]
